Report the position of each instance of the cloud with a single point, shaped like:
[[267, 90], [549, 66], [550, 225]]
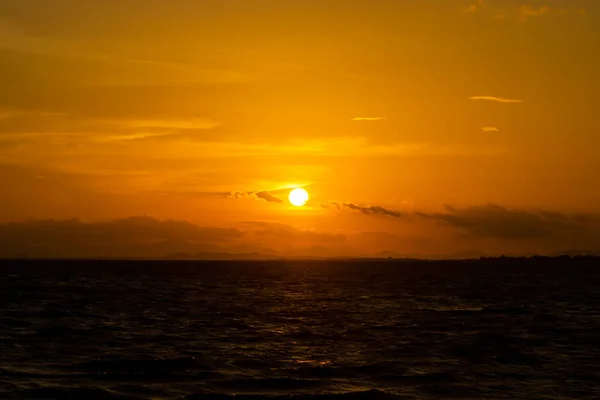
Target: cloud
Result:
[[73, 143], [346, 146], [179, 124], [165, 71], [261, 194], [493, 98], [490, 129], [526, 11], [492, 228], [133, 236], [369, 210], [368, 118], [148, 237], [495, 221], [160, 161], [274, 230], [132, 136], [42, 123], [268, 196], [7, 114], [473, 7], [521, 12]]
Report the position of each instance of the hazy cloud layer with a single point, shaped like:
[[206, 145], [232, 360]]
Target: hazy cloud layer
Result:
[[276, 231], [499, 222], [132, 228], [369, 210], [490, 129], [368, 118], [149, 237], [34, 124], [130, 236], [492, 228], [493, 98]]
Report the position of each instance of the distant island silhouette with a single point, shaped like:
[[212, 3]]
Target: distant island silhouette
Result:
[[207, 257]]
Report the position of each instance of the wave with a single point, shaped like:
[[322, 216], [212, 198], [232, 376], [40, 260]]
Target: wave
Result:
[[268, 384], [358, 395], [71, 394], [142, 365], [421, 379]]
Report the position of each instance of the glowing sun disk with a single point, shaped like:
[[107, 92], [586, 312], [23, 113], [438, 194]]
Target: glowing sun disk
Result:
[[298, 197]]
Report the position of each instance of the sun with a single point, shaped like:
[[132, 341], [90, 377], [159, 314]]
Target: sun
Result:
[[298, 197]]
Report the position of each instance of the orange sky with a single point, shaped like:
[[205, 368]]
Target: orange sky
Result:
[[474, 120]]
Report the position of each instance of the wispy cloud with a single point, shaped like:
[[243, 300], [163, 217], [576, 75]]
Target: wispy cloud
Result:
[[6, 114], [523, 13], [191, 123], [368, 118], [494, 98], [130, 136], [145, 129], [490, 129], [473, 7], [369, 210], [23, 124], [17, 40], [526, 11], [74, 152]]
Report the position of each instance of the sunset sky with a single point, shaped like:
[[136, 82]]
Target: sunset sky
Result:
[[429, 126]]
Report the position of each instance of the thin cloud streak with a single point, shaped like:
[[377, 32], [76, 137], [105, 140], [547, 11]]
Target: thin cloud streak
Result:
[[522, 13], [490, 129], [268, 196], [192, 123], [368, 210], [494, 98], [261, 194], [368, 118]]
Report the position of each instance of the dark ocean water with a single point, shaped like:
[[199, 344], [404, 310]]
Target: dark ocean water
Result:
[[301, 330]]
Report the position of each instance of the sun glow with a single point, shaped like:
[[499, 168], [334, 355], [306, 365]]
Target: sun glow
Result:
[[298, 197]]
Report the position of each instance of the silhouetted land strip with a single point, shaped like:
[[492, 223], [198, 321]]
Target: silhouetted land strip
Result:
[[483, 262]]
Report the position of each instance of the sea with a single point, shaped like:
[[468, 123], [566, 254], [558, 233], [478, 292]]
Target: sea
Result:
[[338, 329]]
